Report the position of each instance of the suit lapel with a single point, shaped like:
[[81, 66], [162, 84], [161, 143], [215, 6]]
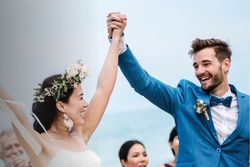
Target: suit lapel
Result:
[[208, 123], [242, 117]]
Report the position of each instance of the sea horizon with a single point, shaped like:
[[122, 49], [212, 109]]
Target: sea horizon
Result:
[[150, 126]]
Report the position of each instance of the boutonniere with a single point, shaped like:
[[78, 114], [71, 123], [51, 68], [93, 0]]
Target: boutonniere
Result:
[[201, 108]]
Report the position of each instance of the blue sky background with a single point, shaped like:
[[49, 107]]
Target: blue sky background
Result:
[[160, 34], [40, 38]]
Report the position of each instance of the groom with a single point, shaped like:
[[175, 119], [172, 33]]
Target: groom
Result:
[[212, 119]]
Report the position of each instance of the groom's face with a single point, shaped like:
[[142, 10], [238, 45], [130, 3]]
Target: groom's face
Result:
[[208, 70]]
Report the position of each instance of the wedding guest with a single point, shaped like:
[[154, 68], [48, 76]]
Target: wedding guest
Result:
[[133, 154], [11, 151], [174, 145]]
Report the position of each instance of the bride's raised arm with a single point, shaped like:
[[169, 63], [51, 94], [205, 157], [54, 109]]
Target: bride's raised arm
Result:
[[105, 83]]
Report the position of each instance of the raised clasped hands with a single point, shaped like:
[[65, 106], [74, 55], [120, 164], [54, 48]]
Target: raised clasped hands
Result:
[[116, 23]]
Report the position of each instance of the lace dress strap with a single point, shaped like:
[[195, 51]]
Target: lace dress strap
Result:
[[35, 146]]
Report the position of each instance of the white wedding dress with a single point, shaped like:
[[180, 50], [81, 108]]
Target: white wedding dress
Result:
[[65, 158]]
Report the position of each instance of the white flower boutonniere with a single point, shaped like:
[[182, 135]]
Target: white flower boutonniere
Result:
[[201, 107]]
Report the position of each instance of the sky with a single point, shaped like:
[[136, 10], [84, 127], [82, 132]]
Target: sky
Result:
[[40, 38], [160, 34]]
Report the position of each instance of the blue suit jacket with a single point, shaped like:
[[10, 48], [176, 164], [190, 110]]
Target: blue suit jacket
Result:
[[198, 142]]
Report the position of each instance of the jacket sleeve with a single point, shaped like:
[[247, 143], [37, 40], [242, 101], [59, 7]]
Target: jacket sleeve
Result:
[[160, 94]]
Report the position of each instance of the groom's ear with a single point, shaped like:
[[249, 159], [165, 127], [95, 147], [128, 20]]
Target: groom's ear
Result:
[[226, 65]]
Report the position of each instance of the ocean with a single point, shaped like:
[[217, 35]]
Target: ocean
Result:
[[152, 127]]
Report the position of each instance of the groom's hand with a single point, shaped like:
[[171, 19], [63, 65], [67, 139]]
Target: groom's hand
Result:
[[115, 20]]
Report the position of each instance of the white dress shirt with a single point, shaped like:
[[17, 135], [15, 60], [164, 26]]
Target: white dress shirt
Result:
[[224, 118]]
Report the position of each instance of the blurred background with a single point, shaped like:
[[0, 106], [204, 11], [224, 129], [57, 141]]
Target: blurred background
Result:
[[40, 38]]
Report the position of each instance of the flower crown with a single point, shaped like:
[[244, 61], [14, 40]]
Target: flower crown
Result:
[[72, 77]]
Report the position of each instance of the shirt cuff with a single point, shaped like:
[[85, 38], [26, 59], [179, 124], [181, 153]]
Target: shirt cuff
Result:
[[122, 44]]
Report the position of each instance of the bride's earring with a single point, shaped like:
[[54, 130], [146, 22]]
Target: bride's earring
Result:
[[67, 122]]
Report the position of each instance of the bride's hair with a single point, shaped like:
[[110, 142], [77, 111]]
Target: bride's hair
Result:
[[47, 111]]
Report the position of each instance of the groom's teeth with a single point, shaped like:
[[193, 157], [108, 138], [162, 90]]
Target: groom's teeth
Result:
[[203, 79]]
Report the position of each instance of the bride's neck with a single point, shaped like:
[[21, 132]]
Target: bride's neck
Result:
[[62, 133], [58, 128]]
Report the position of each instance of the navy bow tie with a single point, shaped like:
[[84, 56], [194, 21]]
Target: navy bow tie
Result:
[[225, 101]]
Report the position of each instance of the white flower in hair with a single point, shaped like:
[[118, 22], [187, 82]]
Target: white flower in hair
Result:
[[71, 72], [83, 72], [72, 77]]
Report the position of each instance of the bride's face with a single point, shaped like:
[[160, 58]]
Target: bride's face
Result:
[[76, 106]]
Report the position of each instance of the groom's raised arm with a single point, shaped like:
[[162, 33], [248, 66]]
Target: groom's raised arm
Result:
[[162, 95]]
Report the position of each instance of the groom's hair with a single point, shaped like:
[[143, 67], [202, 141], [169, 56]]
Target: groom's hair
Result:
[[221, 48]]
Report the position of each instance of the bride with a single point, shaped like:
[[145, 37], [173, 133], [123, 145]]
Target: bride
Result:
[[64, 120]]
